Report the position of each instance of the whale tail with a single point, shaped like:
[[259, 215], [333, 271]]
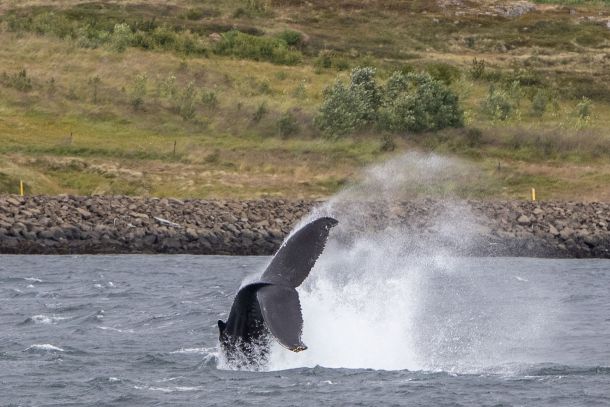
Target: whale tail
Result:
[[279, 301], [296, 257], [272, 304]]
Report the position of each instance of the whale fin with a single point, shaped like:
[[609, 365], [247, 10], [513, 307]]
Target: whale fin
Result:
[[281, 310], [291, 264]]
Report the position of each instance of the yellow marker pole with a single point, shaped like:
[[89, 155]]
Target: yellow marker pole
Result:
[[21, 187], [533, 194]]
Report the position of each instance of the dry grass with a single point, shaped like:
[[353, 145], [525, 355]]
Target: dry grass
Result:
[[222, 151]]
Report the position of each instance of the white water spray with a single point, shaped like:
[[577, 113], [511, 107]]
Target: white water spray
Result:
[[391, 293]]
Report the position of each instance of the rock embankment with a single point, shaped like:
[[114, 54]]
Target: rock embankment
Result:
[[79, 225], [119, 224]]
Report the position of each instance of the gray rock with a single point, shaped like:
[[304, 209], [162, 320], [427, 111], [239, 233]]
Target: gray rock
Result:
[[566, 233], [171, 243]]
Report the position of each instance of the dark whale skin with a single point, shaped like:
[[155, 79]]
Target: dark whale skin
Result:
[[270, 307]]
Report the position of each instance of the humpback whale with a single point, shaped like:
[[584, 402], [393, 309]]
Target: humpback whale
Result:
[[270, 307]]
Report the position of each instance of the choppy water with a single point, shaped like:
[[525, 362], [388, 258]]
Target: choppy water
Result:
[[141, 331]]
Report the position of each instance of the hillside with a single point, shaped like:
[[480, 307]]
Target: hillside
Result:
[[218, 99]]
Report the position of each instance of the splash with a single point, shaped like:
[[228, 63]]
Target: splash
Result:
[[391, 292]]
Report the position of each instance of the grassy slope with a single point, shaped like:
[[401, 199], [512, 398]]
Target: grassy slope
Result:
[[63, 137]]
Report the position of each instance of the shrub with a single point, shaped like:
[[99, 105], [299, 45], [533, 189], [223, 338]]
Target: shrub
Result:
[[417, 102], [248, 46], [341, 112], [291, 38], [89, 37], [365, 88], [329, 59], [477, 68], [186, 108], [324, 60], [443, 72], [497, 105], [539, 103], [287, 125], [341, 64], [348, 109], [167, 87], [411, 102], [139, 91], [121, 37]]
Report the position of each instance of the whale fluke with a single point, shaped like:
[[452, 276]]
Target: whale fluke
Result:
[[296, 257], [281, 310], [271, 306]]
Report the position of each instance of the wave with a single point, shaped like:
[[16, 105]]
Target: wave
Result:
[[46, 347], [170, 389], [110, 328], [566, 370], [43, 319]]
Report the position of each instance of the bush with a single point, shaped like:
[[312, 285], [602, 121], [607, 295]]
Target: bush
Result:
[[477, 69], [443, 72], [417, 102], [341, 112], [348, 109], [167, 87], [287, 125], [186, 108], [411, 102], [243, 45], [329, 59], [121, 37], [497, 105], [291, 38], [139, 91], [539, 103], [365, 88], [89, 37]]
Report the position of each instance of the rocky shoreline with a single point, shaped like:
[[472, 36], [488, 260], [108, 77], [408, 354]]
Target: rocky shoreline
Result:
[[121, 224]]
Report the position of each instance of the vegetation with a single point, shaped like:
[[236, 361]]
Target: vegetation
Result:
[[413, 102], [281, 98]]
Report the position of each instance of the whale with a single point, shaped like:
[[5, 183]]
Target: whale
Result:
[[269, 308]]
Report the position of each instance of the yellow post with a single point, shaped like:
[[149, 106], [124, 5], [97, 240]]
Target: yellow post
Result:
[[21, 187], [533, 194]]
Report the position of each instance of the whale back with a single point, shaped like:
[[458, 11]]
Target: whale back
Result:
[[296, 257]]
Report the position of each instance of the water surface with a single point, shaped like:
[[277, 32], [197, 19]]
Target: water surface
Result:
[[141, 331]]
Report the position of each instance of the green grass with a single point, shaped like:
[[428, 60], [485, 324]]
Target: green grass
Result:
[[69, 124]]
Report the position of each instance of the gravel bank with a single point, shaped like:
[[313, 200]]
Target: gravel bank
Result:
[[79, 225]]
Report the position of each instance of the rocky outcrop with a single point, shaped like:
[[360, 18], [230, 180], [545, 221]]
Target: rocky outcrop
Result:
[[119, 224]]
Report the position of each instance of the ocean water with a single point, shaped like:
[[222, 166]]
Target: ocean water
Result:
[[443, 331]]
